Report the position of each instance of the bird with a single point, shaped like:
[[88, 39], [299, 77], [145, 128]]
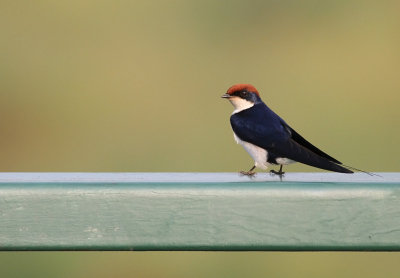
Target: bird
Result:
[[268, 139]]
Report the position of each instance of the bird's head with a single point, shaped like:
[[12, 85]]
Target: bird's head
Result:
[[242, 96]]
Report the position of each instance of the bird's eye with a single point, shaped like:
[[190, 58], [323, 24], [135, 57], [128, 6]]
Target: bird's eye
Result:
[[243, 94]]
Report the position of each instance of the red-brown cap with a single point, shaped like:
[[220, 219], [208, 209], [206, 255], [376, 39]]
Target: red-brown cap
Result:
[[242, 87]]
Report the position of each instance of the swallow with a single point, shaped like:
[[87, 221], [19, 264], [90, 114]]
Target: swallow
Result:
[[268, 139]]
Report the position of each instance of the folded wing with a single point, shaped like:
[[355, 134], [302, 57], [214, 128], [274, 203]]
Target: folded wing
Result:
[[303, 142], [293, 150], [262, 127]]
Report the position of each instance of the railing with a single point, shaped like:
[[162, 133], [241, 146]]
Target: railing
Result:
[[199, 211]]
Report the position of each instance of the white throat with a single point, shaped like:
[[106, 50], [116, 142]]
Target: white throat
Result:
[[240, 104]]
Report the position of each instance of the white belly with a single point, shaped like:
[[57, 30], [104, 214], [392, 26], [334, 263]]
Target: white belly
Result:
[[284, 161], [259, 155]]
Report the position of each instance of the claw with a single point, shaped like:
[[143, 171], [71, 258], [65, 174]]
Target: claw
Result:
[[277, 173], [249, 173]]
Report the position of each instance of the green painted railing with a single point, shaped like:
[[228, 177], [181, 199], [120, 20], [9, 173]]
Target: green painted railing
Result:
[[199, 211]]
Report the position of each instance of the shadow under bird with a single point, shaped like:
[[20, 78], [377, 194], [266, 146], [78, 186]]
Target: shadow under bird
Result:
[[268, 139]]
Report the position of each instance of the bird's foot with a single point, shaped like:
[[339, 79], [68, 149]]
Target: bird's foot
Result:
[[277, 173], [248, 173]]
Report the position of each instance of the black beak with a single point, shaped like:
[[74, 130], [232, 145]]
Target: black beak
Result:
[[226, 96]]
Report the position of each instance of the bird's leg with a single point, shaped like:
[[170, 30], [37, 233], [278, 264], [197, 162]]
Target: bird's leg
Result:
[[249, 173], [279, 173], [280, 170]]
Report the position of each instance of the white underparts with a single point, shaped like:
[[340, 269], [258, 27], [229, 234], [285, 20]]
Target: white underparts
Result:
[[259, 155], [240, 104], [284, 160]]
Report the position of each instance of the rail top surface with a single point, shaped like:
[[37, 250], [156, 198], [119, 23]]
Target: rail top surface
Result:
[[180, 177], [199, 211]]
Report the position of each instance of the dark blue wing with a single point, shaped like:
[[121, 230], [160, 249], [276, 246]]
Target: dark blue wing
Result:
[[259, 126], [303, 142], [262, 127]]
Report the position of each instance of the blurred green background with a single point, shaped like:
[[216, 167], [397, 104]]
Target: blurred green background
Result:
[[136, 86]]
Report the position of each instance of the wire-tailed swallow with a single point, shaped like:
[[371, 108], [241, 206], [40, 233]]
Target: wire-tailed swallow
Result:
[[268, 138]]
